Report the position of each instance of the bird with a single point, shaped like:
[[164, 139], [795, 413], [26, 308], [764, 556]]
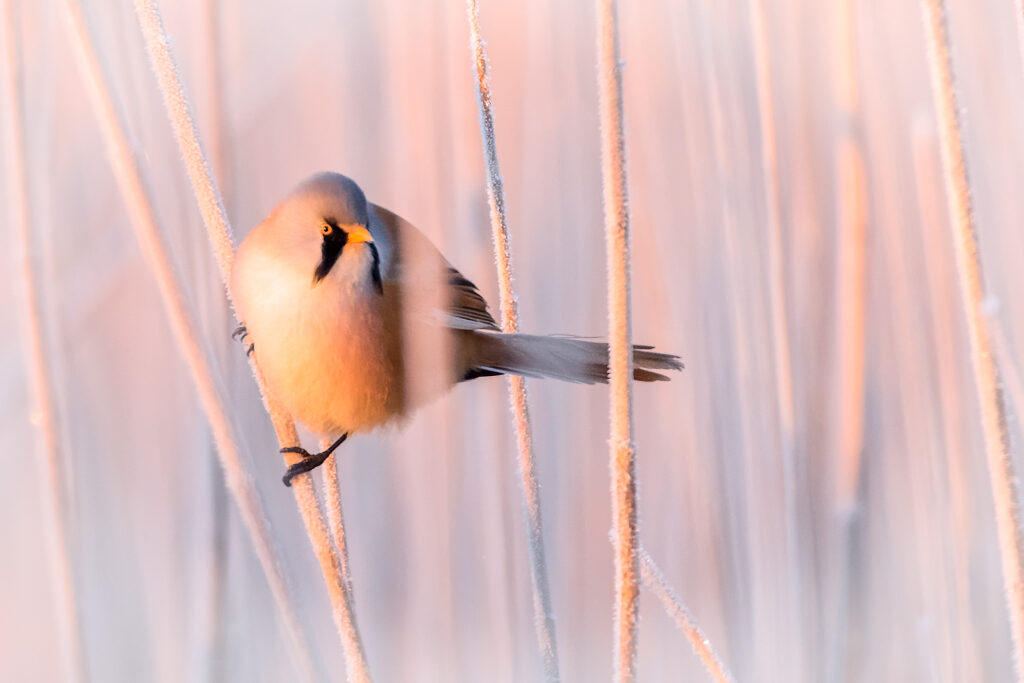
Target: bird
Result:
[[330, 289]]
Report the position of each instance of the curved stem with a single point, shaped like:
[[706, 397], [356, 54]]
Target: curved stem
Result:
[[544, 622], [185, 327], [656, 582], [219, 230], [1001, 468]]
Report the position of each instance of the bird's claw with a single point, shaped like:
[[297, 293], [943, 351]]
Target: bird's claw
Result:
[[240, 334], [309, 462]]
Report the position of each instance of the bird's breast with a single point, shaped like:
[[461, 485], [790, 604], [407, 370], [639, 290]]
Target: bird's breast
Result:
[[330, 353]]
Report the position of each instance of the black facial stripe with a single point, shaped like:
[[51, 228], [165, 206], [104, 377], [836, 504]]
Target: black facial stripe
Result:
[[330, 250], [378, 284]]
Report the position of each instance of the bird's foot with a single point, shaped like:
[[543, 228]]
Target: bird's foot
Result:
[[240, 333], [310, 461]]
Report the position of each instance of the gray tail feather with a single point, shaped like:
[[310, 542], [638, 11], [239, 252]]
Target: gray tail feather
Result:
[[566, 358]]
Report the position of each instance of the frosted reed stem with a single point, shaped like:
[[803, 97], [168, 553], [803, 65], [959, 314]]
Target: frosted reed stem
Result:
[[53, 482], [1007, 364], [544, 622], [623, 455], [336, 522], [1002, 472], [335, 519], [219, 230], [211, 207], [184, 326], [656, 582]]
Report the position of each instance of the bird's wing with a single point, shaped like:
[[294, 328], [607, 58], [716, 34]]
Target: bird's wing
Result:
[[414, 262]]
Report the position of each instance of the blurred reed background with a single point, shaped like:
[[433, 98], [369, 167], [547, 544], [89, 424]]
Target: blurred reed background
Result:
[[863, 548]]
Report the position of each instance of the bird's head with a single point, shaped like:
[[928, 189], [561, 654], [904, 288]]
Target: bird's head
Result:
[[323, 227]]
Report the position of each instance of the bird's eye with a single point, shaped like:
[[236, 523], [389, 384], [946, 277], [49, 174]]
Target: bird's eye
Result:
[[326, 229]]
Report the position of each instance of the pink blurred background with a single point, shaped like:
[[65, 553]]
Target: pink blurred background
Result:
[[789, 585]]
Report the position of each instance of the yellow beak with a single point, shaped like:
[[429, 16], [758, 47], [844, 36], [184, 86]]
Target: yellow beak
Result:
[[360, 234]]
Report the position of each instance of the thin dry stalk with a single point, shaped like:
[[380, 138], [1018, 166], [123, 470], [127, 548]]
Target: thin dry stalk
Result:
[[543, 617], [777, 297], [212, 11], [180, 113], [776, 280], [850, 354], [335, 573], [44, 413], [941, 300], [623, 454], [219, 230], [849, 350], [184, 327], [852, 225], [335, 520], [656, 582], [1007, 363], [1002, 472]]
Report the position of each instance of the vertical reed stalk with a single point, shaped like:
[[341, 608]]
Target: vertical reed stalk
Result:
[[622, 451], [850, 354], [219, 230], [335, 520], [656, 582], [543, 617], [184, 326], [779, 310], [776, 279], [852, 220], [849, 350], [1002, 472], [53, 482]]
